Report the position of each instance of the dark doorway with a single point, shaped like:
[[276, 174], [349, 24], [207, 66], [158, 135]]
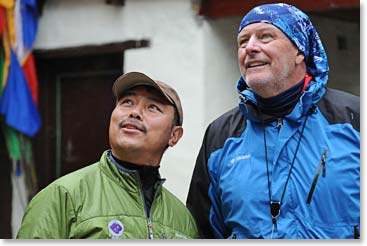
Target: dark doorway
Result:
[[75, 101], [84, 103]]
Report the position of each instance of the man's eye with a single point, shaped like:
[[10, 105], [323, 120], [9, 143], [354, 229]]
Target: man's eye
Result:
[[154, 107], [127, 102], [243, 42], [266, 36]]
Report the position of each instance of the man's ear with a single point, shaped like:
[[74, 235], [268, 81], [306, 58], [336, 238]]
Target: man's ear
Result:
[[176, 134], [300, 58]]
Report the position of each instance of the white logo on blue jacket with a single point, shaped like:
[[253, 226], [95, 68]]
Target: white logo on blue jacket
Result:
[[241, 157]]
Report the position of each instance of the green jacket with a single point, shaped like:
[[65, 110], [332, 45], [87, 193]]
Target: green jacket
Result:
[[100, 201]]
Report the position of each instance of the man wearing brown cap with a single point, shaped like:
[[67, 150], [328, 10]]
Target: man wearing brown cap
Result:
[[121, 196]]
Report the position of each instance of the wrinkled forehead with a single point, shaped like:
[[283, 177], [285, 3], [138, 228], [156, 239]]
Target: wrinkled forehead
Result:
[[262, 28], [259, 27]]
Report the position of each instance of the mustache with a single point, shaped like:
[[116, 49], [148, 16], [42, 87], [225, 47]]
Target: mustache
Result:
[[134, 122]]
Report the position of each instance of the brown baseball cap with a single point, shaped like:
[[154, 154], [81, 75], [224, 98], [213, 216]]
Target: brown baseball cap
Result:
[[132, 79]]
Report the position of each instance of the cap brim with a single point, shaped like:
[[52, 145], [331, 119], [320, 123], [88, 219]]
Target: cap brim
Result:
[[133, 79]]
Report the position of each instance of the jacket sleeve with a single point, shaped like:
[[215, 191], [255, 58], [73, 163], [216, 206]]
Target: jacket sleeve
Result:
[[230, 124], [216, 217], [198, 201], [49, 215]]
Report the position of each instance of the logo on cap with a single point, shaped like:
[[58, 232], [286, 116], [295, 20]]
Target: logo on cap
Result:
[[116, 228]]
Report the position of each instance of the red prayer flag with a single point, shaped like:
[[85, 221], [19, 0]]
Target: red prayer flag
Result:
[[29, 70]]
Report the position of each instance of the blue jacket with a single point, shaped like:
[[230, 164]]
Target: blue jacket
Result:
[[229, 193]]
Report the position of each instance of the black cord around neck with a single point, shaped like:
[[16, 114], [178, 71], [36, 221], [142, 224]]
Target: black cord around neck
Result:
[[275, 206]]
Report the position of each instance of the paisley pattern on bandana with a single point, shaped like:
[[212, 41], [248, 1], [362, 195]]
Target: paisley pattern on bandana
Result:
[[297, 26]]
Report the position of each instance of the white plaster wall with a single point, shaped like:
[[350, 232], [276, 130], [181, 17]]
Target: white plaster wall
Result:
[[221, 71], [69, 23]]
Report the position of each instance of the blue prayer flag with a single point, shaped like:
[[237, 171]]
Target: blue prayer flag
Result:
[[16, 102], [29, 22]]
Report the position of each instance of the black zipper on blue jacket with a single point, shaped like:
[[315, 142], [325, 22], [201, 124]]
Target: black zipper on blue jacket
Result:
[[322, 166], [279, 124]]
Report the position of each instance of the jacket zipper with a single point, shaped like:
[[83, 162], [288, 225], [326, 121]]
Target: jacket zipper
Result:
[[150, 228], [280, 124], [149, 221], [322, 166]]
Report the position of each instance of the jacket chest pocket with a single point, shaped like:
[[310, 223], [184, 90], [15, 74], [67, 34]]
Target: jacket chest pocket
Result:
[[332, 201], [321, 168]]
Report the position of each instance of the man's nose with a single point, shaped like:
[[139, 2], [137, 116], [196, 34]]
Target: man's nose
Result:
[[136, 113], [252, 45]]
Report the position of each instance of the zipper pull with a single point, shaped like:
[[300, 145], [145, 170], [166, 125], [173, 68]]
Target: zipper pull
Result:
[[280, 123], [322, 166], [323, 162], [150, 228], [243, 99]]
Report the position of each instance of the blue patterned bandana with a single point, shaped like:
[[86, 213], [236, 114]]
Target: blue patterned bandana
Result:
[[299, 29]]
